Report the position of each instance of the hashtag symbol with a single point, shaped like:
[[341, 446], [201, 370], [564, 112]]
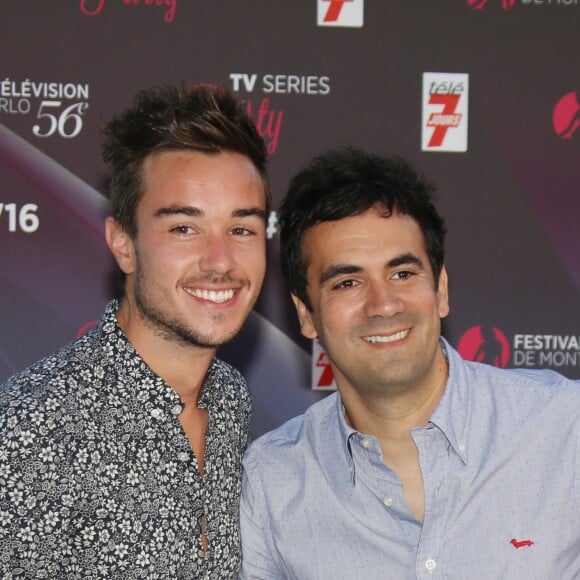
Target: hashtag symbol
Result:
[[333, 12], [272, 228]]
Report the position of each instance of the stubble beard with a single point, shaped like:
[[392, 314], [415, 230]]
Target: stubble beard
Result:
[[171, 328]]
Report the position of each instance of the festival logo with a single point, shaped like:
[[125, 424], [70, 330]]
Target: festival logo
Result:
[[57, 109], [566, 115], [322, 375], [488, 344], [485, 344], [445, 106], [546, 350], [341, 13]]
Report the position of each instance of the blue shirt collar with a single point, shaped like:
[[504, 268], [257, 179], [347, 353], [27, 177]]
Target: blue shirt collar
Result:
[[452, 415]]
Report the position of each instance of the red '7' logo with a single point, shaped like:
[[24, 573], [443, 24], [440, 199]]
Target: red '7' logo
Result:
[[326, 377], [333, 12], [443, 120]]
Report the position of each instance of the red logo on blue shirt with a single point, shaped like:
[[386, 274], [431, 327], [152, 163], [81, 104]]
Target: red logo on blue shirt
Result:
[[520, 543]]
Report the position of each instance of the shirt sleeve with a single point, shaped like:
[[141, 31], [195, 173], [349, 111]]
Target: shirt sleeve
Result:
[[258, 552]]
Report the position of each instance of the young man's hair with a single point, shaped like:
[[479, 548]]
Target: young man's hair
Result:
[[347, 182], [200, 119]]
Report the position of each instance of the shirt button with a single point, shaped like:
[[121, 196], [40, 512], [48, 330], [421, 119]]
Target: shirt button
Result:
[[388, 501], [366, 443], [430, 564], [461, 447], [177, 409], [183, 456], [156, 413]]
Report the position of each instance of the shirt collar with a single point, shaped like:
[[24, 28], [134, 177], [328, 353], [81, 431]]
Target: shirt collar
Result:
[[452, 414], [346, 432], [136, 376]]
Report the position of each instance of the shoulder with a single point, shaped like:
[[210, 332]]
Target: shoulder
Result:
[[519, 396], [46, 399], [51, 377], [230, 385], [291, 440], [513, 381], [546, 390], [541, 382]]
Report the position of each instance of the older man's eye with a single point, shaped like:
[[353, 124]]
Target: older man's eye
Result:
[[242, 232], [344, 284], [403, 275], [181, 229]]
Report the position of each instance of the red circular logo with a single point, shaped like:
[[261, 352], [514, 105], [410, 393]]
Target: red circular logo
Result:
[[566, 115], [486, 344]]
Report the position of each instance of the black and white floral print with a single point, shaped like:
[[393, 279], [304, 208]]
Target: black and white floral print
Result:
[[97, 477]]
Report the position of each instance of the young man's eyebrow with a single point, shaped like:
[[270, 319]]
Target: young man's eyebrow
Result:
[[187, 210], [192, 211]]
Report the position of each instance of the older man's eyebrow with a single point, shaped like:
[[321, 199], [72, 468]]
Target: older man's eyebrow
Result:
[[250, 212], [405, 259], [337, 270]]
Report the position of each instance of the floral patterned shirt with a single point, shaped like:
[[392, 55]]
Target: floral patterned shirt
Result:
[[97, 476]]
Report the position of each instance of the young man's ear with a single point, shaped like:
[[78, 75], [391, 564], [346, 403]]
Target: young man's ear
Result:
[[121, 245], [305, 318]]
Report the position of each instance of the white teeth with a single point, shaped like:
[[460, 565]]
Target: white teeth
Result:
[[390, 338], [217, 296]]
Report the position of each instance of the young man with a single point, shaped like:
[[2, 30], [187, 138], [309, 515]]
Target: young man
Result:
[[120, 455], [422, 465]]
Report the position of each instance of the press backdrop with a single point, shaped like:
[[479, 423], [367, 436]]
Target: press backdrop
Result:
[[482, 96]]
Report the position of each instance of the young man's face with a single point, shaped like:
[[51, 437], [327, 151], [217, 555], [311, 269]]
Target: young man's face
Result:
[[376, 305], [197, 262]]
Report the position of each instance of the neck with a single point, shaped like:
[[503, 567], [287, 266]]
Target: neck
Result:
[[391, 414], [183, 367]]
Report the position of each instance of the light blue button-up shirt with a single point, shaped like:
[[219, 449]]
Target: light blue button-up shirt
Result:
[[500, 460]]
